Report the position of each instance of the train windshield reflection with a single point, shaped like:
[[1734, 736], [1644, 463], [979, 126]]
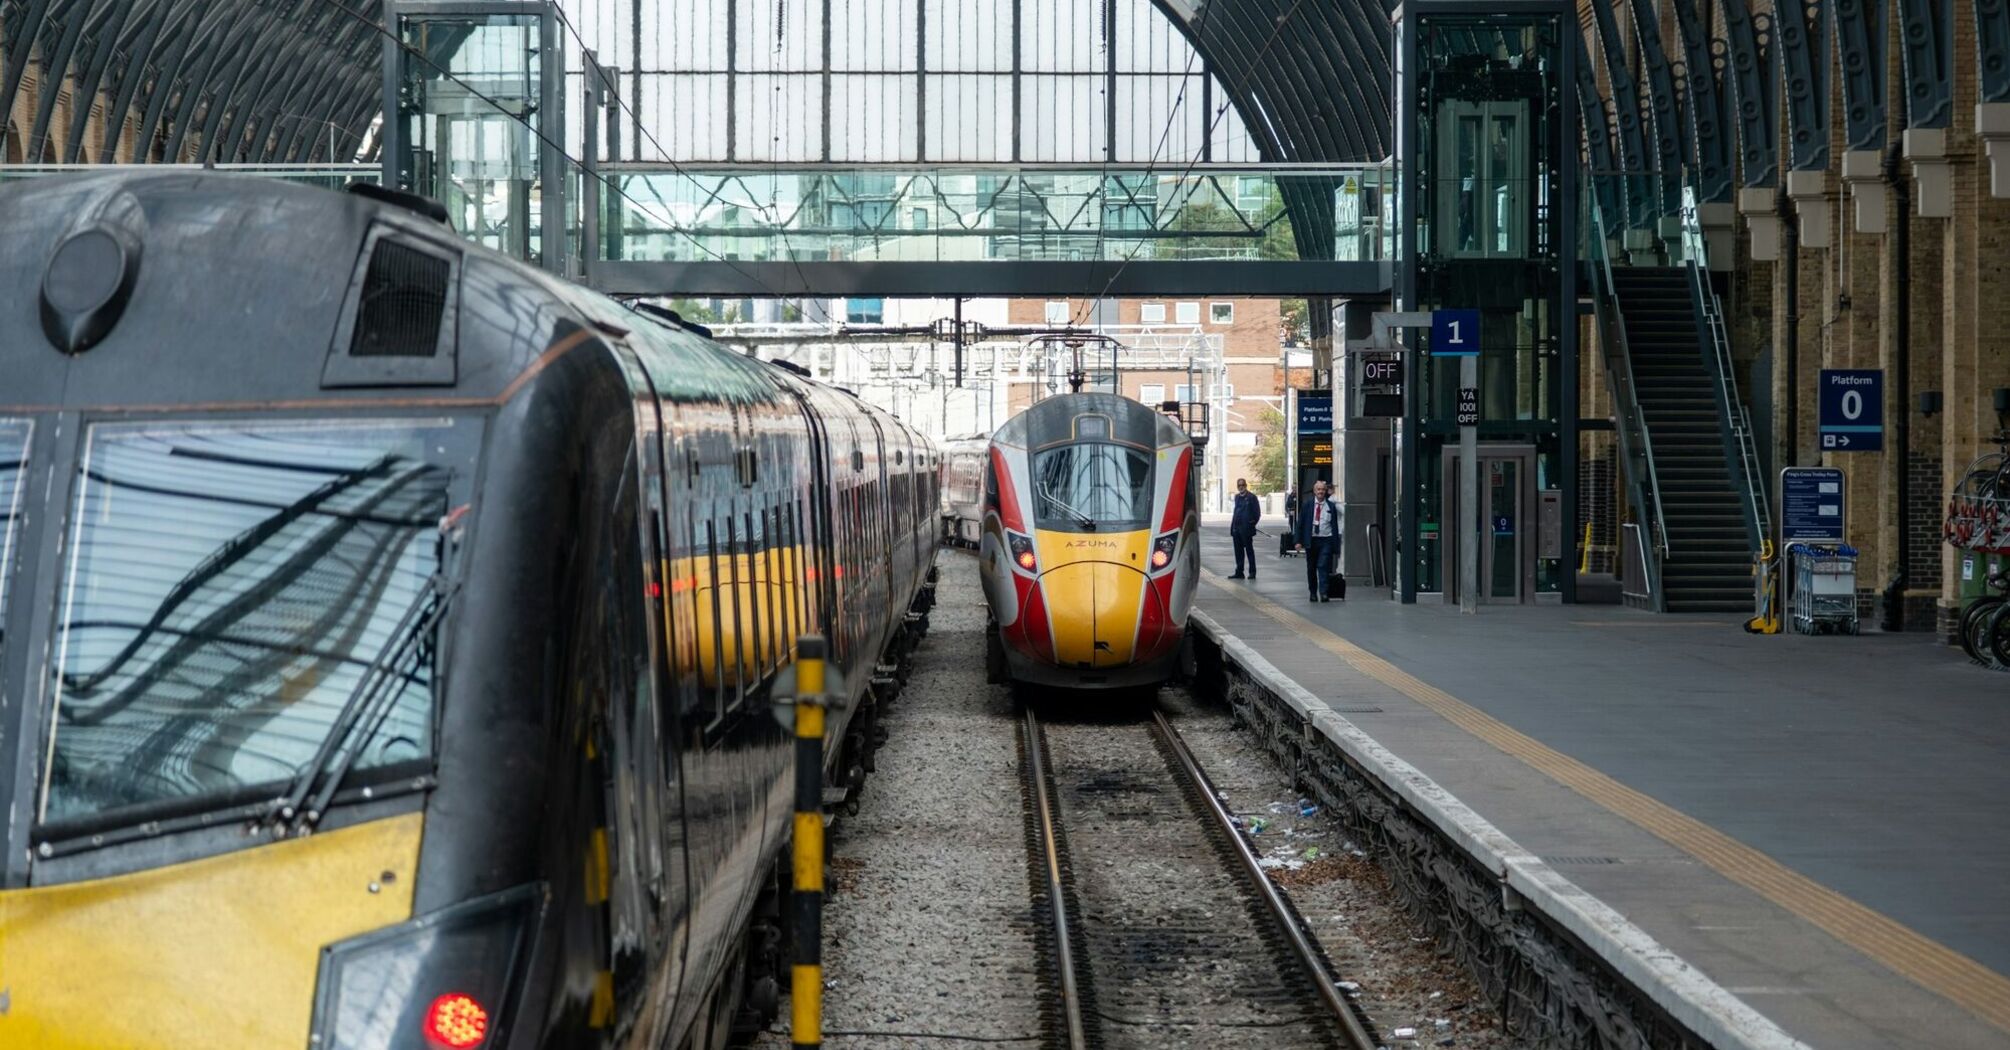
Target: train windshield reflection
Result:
[[13, 459], [228, 584], [1087, 486]]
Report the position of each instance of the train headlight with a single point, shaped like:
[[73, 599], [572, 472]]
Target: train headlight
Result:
[[1022, 551], [1163, 548], [446, 980]]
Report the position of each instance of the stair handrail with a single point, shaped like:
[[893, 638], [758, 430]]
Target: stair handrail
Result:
[[1636, 446], [1752, 490]]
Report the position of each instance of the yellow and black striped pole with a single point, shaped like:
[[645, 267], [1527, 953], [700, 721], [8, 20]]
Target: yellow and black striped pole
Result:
[[806, 979]]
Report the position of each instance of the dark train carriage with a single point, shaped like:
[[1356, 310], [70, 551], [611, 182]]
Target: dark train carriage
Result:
[[387, 630]]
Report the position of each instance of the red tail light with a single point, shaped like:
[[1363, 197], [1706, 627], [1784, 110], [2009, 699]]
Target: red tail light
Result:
[[1025, 559], [456, 1021], [1163, 548], [1159, 559]]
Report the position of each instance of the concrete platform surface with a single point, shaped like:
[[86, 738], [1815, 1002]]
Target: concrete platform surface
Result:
[[1821, 825]]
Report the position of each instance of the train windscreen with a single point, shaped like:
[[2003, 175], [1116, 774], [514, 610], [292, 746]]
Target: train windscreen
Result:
[[13, 460], [1089, 486], [228, 587]]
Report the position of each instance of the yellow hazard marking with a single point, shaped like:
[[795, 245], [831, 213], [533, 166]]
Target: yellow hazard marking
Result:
[[809, 853], [597, 873], [601, 1014], [810, 721], [1936, 967], [806, 1004]]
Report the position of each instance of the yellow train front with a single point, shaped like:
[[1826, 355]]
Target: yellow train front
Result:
[[1089, 554]]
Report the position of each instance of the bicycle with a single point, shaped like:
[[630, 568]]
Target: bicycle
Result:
[[1984, 630]]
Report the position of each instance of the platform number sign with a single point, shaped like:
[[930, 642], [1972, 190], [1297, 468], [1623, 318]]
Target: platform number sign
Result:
[[1852, 409], [1455, 333]]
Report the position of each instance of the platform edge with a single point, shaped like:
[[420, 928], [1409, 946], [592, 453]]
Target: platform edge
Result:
[[1708, 1009]]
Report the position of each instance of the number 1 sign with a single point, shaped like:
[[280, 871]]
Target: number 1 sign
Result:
[[1455, 333]]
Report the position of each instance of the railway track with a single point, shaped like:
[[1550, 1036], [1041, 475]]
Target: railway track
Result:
[[1160, 927]]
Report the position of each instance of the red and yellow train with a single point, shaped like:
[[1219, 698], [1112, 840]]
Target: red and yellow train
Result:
[[1089, 555]]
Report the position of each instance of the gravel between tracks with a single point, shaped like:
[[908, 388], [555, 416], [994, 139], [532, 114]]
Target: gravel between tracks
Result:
[[928, 935], [929, 932]]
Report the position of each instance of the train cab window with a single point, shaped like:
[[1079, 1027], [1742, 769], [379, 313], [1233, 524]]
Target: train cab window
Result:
[[230, 587], [13, 461], [1084, 486]]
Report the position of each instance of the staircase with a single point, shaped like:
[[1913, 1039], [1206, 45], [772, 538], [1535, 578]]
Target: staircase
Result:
[[1708, 567]]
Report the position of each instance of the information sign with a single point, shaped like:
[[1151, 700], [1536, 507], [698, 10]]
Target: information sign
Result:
[[1455, 333], [1382, 371], [1315, 412], [1469, 406], [1380, 386], [1811, 504], [1852, 409]]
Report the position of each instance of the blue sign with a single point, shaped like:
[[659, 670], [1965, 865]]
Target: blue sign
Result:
[[1811, 504], [1455, 333], [1315, 413], [1503, 525], [1852, 409]]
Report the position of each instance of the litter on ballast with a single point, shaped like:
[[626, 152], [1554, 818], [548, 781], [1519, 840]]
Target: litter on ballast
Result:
[[1404, 1033]]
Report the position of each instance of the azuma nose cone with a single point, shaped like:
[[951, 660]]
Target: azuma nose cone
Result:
[[1094, 609]]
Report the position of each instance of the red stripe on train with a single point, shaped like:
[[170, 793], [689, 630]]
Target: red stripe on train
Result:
[[1175, 511], [1008, 497]]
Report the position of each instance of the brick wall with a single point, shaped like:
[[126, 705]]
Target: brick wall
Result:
[[1924, 517]]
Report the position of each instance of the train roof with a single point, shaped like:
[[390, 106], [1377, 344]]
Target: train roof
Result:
[[1053, 420], [139, 287]]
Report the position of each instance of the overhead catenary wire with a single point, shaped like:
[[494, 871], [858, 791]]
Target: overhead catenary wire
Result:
[[558, 147], [635, 120], [1255, 64]]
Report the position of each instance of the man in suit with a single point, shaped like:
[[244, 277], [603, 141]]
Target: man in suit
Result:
[[1320, 528], [1242, 528]]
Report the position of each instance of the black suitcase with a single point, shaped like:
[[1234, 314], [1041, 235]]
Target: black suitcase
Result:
[[1336, 587], [1284, 545]]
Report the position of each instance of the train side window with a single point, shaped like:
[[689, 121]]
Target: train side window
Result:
[[716, 621], [685, 567], [735, 583], [758, 578], [796, 566], [784, 587]]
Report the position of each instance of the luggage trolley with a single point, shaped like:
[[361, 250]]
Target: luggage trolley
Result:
[[1824, 588]]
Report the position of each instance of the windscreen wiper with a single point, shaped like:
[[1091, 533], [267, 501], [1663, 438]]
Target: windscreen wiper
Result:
[[312, 790], [1081, 519]]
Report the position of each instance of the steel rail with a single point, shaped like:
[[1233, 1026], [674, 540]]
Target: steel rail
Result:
[[1046, 825], [1280, 910]]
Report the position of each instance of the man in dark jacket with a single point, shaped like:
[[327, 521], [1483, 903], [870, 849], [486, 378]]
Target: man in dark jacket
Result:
[[1320, 529], [1242, 528]]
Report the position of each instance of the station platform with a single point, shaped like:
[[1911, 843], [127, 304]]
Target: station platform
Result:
[[1819, 825]]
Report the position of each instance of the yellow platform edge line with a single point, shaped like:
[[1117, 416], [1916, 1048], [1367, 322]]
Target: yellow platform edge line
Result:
[[1934, 966]]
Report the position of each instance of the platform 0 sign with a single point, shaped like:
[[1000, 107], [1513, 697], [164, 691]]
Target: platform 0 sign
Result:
[[1852, 409], [1455, 333], [1811, 505]]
